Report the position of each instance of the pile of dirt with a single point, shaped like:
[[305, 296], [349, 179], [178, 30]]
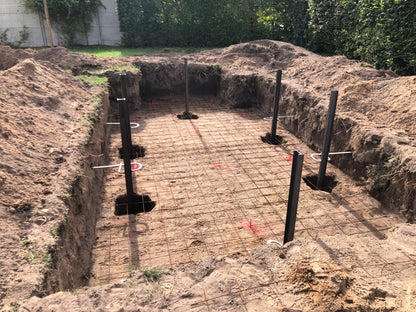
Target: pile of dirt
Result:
[[43, 127]]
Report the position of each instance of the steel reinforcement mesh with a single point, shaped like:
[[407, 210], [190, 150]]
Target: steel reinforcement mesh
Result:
[[219, 190]]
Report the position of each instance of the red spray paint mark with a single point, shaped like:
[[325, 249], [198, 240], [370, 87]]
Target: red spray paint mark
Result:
[[134, 119], [217, 165], [243, 114], [213, 100], [197, 131], [150, 103], [289, 158], [250, 226], [134, 167]]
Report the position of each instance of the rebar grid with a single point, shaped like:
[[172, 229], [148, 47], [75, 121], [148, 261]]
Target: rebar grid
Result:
[[219, 190]]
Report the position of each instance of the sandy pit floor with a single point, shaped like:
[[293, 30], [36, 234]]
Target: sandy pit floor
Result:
[[219, 190]]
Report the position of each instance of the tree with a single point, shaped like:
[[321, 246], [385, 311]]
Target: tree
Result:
[[69, 16]]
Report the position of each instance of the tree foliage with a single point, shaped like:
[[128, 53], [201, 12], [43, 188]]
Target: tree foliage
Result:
[[70, 16]]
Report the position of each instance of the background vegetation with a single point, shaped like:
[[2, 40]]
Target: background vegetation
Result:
[[380, 32]]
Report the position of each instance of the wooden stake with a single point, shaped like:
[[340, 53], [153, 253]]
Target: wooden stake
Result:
[[48, 22]]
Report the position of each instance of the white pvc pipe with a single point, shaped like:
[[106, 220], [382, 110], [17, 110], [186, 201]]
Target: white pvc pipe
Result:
[[334, 153], [139, 166], [274, 241], [278, 117], [132, 124]]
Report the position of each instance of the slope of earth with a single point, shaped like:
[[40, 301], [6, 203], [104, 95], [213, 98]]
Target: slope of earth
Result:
[[329, 274], [43, 126]]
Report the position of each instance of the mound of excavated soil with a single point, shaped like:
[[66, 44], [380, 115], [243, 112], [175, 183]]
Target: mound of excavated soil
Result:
[[42, 132], [43, 128]]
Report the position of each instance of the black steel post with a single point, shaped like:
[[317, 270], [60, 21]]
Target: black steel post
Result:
[[123, 79], [292, 205], [186, 87], [327, 140], [126, 145], [276, 103], [123, 85]]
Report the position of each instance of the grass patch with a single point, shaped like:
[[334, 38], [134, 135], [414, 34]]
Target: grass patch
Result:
[[103, 51], [95, 80], [152, 274], [120, 69]]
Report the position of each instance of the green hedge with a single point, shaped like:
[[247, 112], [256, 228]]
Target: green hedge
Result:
[[380, 32]]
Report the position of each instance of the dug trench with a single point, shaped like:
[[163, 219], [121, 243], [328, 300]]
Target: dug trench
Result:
[[378, 158]]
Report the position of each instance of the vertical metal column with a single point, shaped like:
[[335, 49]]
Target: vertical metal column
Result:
[[123, 80], [292, 205], [126, 145], [123, 85], [276, 103], [327, 140], [186, 87]]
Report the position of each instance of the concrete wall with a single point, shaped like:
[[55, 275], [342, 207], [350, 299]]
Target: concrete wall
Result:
[[105, 28]]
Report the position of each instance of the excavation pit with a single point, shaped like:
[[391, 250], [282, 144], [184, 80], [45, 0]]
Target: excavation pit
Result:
[[272, 140], [137, 151], [138, 204], [185, 116], [328, 185], [219, 191]]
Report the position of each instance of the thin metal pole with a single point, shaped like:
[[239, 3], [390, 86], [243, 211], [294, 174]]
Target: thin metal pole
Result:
[[327, 140], [126, 145], [186, 87], [48, 23], [292, 205], [276, 103]]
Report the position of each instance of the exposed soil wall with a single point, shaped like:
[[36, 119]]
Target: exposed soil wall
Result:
[[72, 261], [377, 157], [169, 79], [133, 88]]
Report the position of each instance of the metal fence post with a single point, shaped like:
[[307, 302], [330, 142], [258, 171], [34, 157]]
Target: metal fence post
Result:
[[276, 103], [327, 140], [292, 205]]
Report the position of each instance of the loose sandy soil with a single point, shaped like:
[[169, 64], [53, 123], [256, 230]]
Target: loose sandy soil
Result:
[[45, 125]]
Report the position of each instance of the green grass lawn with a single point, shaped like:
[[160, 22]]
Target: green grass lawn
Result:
[[102, 51]]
